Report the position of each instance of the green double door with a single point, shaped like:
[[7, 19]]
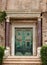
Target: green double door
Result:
[[23, 41]]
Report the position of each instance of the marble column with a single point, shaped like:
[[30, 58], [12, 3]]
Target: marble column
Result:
[[39, 32], [7, 27]]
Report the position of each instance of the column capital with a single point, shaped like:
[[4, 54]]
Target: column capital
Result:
[[7, 19], [39, 19]]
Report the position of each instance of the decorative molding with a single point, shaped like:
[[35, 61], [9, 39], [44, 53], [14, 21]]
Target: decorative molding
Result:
[[14, 14]]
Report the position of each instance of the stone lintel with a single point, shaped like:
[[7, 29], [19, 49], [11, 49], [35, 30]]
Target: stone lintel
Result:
[[13, 14]]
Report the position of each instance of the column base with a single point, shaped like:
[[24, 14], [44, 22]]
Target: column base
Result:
[[38, 51], [7, 52]]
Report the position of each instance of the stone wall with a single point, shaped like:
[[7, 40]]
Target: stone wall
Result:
[[4, 4], [26, 5], [43, 5], [0, 4], [44, 28], [23, 5], [46, 5]]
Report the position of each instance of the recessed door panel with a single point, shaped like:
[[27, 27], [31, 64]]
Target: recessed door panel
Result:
[[23, 41]]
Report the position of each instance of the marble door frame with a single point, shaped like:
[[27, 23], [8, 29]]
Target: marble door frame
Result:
[[24, 26]]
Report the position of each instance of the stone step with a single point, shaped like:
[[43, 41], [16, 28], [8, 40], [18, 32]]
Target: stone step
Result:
[[18, 58], [26, 57], [22, 60], [32, 63]]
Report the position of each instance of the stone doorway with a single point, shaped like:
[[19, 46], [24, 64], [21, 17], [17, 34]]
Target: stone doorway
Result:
[[23, 41], [24, 27]]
